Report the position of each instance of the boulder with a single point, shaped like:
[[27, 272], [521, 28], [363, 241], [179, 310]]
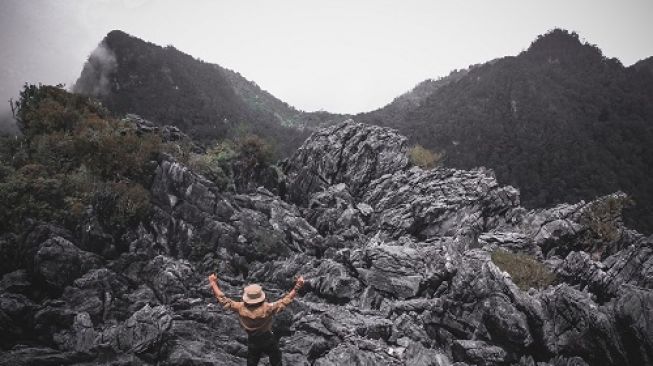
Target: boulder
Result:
[[101, 294], [439, 202], [333, 281], [478, 353], [170, 278], [633, 311], [144, 333], [576, 325], [59, 262], [400, 271]]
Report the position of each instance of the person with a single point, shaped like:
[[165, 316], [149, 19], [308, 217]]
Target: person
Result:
[[256, 317]]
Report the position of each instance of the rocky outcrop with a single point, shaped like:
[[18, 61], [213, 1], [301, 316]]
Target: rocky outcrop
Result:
[[439, 202], [350, 153], [168, 133], [633, 265], [58, 262], [397, 261]]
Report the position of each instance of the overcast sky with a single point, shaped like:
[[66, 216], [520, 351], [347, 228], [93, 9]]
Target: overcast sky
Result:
[[334, 55]]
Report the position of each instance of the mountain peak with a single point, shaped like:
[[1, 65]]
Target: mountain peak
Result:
[[562, 44], [117, 35], [555, 38], [169, 87]]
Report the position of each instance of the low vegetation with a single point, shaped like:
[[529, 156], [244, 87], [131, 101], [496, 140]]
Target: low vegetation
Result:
[[424, 158], [216, 164], [73, 155], [603, 217], [526, 272]]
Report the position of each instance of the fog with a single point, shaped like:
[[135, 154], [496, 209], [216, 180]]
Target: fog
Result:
[[338, 55]]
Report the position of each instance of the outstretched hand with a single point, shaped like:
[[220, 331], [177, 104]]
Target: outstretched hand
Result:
[[299, 282], [213, 278]]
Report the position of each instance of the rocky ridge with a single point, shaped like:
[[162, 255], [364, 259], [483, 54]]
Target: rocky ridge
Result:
[[397, 260]]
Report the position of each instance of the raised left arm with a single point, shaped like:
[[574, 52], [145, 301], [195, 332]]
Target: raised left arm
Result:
[[279, 305], [226, 302]]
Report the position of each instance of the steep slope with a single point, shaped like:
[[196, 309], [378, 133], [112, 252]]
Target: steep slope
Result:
[[204, 100], [559, 121]]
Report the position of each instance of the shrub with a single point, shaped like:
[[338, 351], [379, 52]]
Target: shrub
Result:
[[603, 217], [55, 150], [30, 192], [115, 151], [424, 158], [121, 205], [526, 272], [14, 151], [215, 164], [72, 155], [45, 108], [254, 150]]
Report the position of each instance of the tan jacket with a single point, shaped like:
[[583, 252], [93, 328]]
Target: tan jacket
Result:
[[256, 320]]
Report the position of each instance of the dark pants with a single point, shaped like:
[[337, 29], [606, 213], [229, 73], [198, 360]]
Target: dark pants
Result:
[[260, 344]]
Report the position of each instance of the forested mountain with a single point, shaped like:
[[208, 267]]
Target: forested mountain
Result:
[[205, 100], [560, 121]]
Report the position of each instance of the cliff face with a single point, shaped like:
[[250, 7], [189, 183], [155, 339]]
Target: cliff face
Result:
[[398, 262]]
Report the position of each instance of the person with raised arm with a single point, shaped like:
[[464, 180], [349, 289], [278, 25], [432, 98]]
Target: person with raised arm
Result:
[[256, 317]]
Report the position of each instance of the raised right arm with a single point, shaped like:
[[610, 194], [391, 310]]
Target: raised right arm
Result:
[[279, 305], [226, 302]]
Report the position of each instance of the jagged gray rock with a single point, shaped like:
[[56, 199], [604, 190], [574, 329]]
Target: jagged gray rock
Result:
[[59, 262], [348, 355], [439, 202], [397, 260], [350, 153], [632, 265], [478, 353], [401, 271], [100, 293]]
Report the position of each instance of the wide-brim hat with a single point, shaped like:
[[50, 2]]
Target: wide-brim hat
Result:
[[253, 294]]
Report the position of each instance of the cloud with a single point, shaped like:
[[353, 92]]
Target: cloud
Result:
[[7, 124], [97, 73]]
